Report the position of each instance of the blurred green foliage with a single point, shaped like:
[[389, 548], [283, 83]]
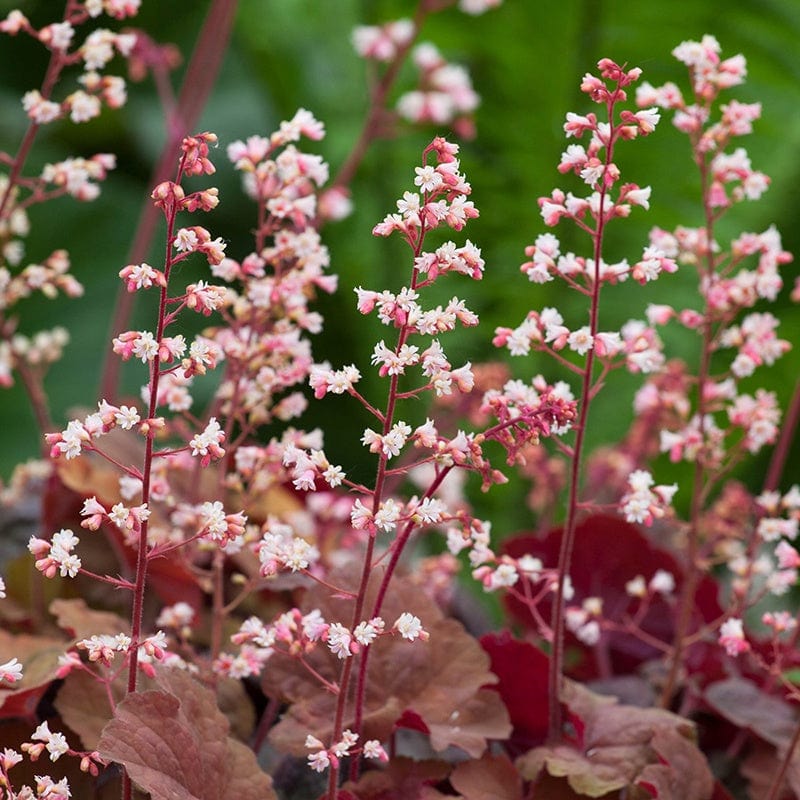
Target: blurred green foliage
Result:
[[526, 60]]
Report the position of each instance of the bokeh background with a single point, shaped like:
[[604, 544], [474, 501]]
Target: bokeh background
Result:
[[526, 59]]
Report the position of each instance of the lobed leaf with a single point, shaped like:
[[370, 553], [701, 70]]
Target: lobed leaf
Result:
[[39, 658], [490, 778], [435, 686], [175, 745], [616, 745], [741, 702], [79, 621]]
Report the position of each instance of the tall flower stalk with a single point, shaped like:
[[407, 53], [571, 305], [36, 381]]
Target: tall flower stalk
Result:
[[163, 355], [635, 345], [727, 288], [29, 357]]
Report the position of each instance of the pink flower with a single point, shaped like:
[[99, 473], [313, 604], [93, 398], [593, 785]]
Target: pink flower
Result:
[[788, 557], [731, 637], [11, 671]]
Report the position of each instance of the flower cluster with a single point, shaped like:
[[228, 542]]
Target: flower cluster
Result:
[[78, 177], [79, 436], [323, 757], [296, 634], [445, 95], [56, 556], [727, 285], [96, 51], [646, 502], [55, 744], [266, 305]]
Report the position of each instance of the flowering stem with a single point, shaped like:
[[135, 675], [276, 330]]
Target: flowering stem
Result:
[[397, 550], [32, 384], [142, 554], [197, 85], [377, 497], [556, 664], [693, 574], [344, 682], [371, 128], [54, 67], [556, 667]]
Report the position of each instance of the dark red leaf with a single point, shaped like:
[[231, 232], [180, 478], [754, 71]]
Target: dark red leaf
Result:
[[522, 671], [608, 553], [412, 721]]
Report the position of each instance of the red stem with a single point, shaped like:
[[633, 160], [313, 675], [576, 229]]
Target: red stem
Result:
[[137, 611], [556, 664], [377, 497], [777, 783], [693, 574], [397, 550], [781, 452]]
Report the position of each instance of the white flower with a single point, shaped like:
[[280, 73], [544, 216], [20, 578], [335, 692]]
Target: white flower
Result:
[[410, 627], [589, 633], [366, 632], [636, 587], [373, 749], [11, 671], [662, 582], [319, 761], [339, 639]]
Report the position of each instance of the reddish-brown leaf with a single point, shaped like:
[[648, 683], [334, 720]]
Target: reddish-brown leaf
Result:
[[683, 773], [439, 681], [616, 744], [175, 744], [741, 702], [490, 778], [81, 622], [402, 779], [39, 658]]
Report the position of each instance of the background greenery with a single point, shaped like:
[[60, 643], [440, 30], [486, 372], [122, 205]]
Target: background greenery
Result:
[[526, 60]]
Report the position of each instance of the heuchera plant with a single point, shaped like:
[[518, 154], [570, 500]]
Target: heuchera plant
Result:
[[289, 630]]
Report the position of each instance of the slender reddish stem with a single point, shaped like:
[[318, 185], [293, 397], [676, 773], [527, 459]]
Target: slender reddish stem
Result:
[[693, 573], [781, 452], [198, 82], [137, 611], [777, 783], [398, 546], [377, 107], [377, 498], [556, 664]]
